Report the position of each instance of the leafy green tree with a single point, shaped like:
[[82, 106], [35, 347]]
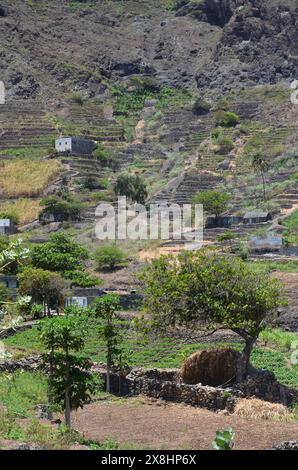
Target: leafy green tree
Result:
[[42, 286], [109, 256], [81, 279], [214, 202], [261, 166], [105, 310], [219, 291], [131, 186], [71, 383], [61, 254]]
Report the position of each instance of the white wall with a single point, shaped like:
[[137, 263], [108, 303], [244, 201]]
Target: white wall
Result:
[[63, 145]]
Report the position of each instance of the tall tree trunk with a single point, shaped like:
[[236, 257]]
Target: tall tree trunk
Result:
[[108, 381], [264, 187], [67, 408], [50, 398], [109, 359], [67, 395], [243, 363]]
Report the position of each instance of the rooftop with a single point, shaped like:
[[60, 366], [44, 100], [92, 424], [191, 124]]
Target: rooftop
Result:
[[255, 214]]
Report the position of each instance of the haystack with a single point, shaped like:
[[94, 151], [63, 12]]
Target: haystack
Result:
[[260, 409], [214, 368]]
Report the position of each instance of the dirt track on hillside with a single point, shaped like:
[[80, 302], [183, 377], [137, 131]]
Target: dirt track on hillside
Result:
[[160, 425]]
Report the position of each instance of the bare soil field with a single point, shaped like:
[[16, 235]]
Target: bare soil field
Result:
[[152, 424]]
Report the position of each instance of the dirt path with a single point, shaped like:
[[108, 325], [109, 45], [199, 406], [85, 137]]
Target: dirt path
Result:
[[159, 425]]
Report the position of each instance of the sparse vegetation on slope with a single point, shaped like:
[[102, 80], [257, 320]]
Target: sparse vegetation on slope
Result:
[[27, 178]]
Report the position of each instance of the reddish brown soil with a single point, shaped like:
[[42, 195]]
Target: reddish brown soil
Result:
[[158, 425]]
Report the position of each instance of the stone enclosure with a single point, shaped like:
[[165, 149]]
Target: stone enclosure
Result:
[[166, 384]]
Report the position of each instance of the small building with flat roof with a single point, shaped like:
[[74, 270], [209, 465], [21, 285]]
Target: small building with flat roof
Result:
[[256, 217], [74, 146]]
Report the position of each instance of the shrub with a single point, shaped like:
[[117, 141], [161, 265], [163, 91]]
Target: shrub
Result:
[[37, 311], [79, 98], [219, 138], [81, 279], [131, 186], [227, 119], [109, 256], [59, 210], [201, 106], [146, 84], [224, 439], [92, 182], [225, 144]]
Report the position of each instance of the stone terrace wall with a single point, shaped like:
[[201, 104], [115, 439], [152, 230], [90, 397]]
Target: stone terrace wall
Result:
[[166, 384]]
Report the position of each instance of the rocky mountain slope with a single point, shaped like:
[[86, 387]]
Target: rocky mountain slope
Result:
[[49, 48]]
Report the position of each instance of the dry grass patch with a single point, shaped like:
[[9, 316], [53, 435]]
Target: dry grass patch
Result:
[[259, 409], [25, 178], [23, 210]]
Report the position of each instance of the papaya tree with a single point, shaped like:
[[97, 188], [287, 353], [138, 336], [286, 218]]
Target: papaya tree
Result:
[[105, 310], [71, 383], [205, 289]]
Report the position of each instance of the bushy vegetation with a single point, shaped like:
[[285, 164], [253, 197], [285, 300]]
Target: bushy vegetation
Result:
[[109, 256], [201, 106], [44, 287], [131, 102], [226, 119], [131, 186], [57, 209], [63, 255], [224, 142], [214, 202]]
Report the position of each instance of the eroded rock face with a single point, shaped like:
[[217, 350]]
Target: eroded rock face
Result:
[[214, 12], [259, 45], [215, 45]]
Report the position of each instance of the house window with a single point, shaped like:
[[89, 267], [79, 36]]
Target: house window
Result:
[[79, 301]]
